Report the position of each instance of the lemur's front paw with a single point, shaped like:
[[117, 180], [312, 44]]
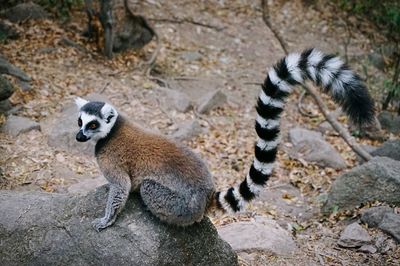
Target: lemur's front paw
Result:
[[100, 224]]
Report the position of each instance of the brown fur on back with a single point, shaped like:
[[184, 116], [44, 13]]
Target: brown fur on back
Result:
[[133, 150]]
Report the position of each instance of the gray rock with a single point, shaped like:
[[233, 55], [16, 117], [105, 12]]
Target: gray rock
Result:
[[310, 146], [384, 218], [5, 106], [390, 122], [354, 235], [173, 99], [377, 60], [87, 185], [25, 11], [47, 229], [16, 125], [191, 56], [25, 86], [261, 235], [188, 130], [389, 149], [64, 136], [325, 127], [376, 180], [368, 249], [373, 216], [9, 69], [8, 30], [210, 101], [6, 88]]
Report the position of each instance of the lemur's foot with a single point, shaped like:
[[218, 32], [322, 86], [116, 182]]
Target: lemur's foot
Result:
[[101, 223]]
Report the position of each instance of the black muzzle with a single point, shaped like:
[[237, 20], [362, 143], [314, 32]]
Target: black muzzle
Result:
[[81, 137]]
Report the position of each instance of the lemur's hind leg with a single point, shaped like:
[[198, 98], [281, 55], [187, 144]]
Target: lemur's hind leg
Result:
[[183, 207], [117, 197]]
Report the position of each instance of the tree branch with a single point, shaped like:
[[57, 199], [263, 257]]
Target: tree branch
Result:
[[321, 105]]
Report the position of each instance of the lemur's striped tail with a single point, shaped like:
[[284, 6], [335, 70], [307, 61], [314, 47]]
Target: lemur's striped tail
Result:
[[326, 71]]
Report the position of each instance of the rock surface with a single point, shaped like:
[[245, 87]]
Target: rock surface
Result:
[[385, 219], [311, 146], [47, 229], [261, 235], [9, 69], [390, 122], [173, 99], [210, 101], [378, 179], [188, 130], [6, 88], [24, 12], [87, 185], [354, 235], [16, 125], [389, 149]]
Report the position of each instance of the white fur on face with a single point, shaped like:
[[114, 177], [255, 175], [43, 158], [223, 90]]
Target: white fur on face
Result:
[[104, 128]]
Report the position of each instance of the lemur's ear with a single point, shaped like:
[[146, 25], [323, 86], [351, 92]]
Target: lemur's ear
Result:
[[80, 102], [108, 112]]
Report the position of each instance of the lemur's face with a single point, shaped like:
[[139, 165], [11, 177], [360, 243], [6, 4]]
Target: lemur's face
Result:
[[95, 121]]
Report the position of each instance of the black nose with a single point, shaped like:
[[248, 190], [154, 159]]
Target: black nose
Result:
[[81, 137]]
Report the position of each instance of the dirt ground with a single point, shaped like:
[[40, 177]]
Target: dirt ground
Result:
[[234, 49]]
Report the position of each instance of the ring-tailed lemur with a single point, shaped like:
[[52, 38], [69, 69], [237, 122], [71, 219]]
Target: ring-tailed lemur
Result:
[[173, 182]]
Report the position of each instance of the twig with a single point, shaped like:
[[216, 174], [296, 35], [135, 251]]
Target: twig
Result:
[[190, 21], [266, 18], [300, 105], [337, 126], [104, 87]]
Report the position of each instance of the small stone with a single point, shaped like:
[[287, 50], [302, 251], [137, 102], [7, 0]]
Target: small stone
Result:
[[390, 122], [391, 224], [261, 235], [173, 99], [324, 127], [389, 149], [16, 125], [24, 12], [373, 216], [354, 235], [6, 88], [188, 130], [192, 56], [311, 146], [368, 249], [210, 101]]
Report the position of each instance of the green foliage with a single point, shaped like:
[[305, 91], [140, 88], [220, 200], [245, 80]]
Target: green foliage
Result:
[[384, 13]]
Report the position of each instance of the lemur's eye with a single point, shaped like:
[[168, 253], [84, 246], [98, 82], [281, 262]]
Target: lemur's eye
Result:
[[92, 125], [79, 122]]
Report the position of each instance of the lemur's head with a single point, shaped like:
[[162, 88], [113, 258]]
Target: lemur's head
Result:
[[96, 119]]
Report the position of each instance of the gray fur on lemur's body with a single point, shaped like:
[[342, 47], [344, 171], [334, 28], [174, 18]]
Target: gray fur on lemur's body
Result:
[[173, 182]]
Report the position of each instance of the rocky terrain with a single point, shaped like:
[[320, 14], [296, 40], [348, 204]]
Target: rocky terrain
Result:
[[202, 91]]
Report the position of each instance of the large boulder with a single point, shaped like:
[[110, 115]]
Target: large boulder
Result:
[[39, 228], [311, 146], [376, 180]]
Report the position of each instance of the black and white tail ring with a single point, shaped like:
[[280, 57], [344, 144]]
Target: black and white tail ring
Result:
[[326, 71]]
